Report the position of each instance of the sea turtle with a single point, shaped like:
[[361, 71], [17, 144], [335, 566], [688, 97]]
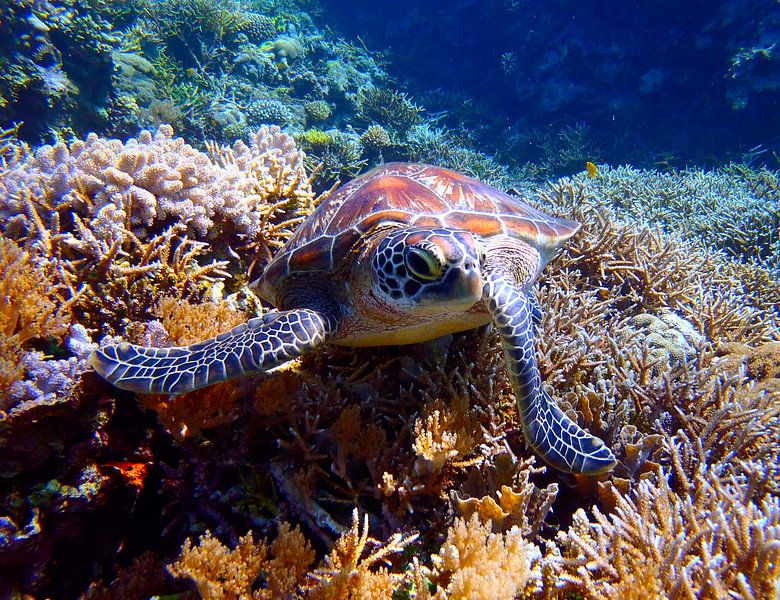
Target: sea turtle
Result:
[[403, 254]]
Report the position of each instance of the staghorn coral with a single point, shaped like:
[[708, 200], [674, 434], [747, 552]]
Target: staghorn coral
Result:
[[669, 271], [705, 543], [432, 144], [735, 209]]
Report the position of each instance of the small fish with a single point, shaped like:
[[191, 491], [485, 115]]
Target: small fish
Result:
[[592, 169]]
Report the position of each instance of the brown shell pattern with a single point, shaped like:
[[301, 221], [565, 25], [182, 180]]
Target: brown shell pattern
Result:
[[414, 195]]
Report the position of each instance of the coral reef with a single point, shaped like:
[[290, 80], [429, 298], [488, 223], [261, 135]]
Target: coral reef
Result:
[[284, 564], [650, 337], [388, 472], [130, 210], [57, 66], [689, 87]]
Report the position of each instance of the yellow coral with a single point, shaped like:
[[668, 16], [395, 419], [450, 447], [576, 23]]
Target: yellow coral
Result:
[[187, 323], [220, 573], [476, 564], [316, 137], [344, 575], [444, 434], [33, 305]]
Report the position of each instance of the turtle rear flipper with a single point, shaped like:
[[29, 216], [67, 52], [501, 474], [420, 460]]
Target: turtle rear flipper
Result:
[[556, 438], [255, 346]]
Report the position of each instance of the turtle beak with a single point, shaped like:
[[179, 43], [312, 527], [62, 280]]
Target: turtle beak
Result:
[[461, 288], [470, 284]]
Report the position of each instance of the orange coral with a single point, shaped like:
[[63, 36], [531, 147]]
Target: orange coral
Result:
[[34, 305], [253, 571], [478, 564]]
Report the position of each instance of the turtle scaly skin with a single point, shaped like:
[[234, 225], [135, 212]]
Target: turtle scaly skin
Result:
[[403, 254], [561, 442], [252, 347]]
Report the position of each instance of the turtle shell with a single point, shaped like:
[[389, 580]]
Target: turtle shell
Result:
[[412, 195]]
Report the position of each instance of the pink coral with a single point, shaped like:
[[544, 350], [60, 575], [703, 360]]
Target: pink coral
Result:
[[156, 179]]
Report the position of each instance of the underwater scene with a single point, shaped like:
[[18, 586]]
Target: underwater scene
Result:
[[350, 300]]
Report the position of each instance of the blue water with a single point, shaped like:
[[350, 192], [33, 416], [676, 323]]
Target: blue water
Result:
[[694, 82]]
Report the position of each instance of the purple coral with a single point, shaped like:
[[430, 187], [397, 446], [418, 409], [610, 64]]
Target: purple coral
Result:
[[51, 381]]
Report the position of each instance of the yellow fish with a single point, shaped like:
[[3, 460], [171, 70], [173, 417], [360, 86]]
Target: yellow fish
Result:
[[592, 169]]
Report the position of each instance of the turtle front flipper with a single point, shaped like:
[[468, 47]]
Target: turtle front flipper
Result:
[[255, 346], [556, 438]]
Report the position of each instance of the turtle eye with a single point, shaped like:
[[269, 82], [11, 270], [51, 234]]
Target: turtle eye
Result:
[[424, 263]]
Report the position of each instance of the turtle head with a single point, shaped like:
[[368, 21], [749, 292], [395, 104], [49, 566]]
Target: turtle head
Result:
[[428, 271]]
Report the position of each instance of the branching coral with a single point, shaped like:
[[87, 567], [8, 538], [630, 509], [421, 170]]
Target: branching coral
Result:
[[435, 145], [155, 180], [388, 107], [222, 573], [476, 563], [253, 570], [705, 543], [444, 434], [123, 210], [35, 304], [735, 209], [45, 382]]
